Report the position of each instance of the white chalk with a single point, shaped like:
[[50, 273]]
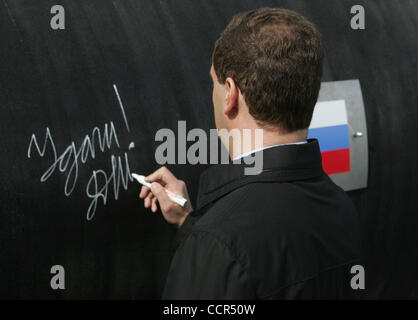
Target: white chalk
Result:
[[171, 195]]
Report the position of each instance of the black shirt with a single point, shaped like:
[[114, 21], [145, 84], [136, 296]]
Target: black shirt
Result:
[[286, 233]]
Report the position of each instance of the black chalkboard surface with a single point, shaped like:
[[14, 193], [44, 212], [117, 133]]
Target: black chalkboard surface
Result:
[[79, 108]]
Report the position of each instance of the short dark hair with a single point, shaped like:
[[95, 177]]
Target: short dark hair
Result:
[[275, 56]]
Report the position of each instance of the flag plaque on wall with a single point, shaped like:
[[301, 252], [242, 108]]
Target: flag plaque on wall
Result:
[[339, 124]]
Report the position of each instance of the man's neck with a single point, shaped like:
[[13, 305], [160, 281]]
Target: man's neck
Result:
[[269, 138]]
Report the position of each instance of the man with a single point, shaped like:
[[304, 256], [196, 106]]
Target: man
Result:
[[288, 232]]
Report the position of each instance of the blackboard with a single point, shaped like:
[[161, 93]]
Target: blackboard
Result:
[[63, 86]]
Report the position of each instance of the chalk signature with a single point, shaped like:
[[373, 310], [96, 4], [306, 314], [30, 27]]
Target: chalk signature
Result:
[[69, 161]]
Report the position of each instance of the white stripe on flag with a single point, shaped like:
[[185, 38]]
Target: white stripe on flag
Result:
[[329, 113]]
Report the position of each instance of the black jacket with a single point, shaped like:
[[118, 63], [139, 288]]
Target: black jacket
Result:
[[287, 233]]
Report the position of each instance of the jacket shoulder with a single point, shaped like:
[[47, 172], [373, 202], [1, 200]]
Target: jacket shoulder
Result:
[[286, 233]]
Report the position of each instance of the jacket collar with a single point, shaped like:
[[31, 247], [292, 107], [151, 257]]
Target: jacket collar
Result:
[[282, 163]]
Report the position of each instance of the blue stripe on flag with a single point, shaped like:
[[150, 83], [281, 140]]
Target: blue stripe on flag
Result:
[[331, 138]]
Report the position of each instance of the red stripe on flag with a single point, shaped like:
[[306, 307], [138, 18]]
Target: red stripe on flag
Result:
[[336, 161]]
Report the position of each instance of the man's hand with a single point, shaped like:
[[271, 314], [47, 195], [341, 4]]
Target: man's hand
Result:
[[172, 212]]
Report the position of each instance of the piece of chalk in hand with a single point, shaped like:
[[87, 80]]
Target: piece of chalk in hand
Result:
[[171, 195]]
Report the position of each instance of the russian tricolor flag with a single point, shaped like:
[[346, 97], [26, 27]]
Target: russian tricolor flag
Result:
[[330, 126]]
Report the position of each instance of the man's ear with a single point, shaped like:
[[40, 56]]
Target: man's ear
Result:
[[231, 98]]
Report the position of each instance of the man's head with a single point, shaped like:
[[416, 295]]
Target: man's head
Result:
[[266, 71]]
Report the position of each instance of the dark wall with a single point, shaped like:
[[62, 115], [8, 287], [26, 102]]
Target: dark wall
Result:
[[158, 54]]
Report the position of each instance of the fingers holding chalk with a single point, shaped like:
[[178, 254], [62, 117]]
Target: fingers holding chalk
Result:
[[144, 192], [162, 190], [162, 174], [147, 200], [162, 197], [154, 207], [176, 185]]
